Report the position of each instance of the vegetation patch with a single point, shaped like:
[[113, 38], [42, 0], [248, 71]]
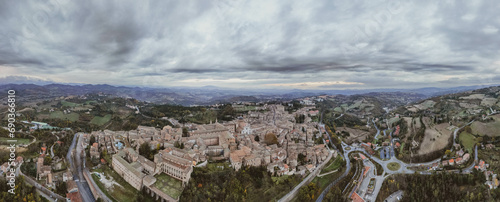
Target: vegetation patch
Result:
[[99, 120], [4, 141], [219, 182], [68, 104], [60, 115], [124, 193], [489, 128], [168, 185], [467, 140], [334, 164], [393, 166]]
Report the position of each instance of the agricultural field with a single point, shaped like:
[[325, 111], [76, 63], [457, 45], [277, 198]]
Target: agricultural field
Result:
[[392, 121], [60, 115], [99, 120], [355, 134], [490, 129], [65, 103], [436, 137], [425, 105], [467, 140], [4, 141]]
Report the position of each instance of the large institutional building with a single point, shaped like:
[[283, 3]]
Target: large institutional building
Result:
[[139, 171]]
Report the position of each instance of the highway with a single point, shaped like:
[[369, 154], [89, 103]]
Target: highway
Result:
[[76, 166]]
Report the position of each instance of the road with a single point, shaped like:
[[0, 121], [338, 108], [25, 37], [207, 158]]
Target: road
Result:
[[455, 133], [394, 196], [52, 147], [348, 168], [378, 130], [48, 194], [306, 180], [76, 166]]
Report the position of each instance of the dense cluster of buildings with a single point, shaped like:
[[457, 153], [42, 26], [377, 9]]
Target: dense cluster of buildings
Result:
[[269, 137]]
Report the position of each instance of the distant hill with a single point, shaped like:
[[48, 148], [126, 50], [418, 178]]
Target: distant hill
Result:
[[203, 95]]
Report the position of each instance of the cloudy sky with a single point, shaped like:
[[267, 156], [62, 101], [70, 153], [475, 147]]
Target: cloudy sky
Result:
[[253, 44]]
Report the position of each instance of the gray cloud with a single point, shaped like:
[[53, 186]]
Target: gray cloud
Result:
[[423, 42]]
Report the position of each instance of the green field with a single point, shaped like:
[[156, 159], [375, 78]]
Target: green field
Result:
[[393, 166], [338, 109], [68, 104], [99, 120], [393, 120], [60, 115], [4, 141], [124, 193], [168, 185], [334, 164], [468, 140], [90, 102]]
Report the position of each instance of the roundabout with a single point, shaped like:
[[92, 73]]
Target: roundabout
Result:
[[393, 166]]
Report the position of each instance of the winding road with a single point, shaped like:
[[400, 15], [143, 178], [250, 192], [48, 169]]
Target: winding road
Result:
[[403, 168]]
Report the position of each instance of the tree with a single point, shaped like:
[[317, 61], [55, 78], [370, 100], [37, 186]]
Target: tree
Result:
[[307, 193], [270, 139], [47, 160], [145, 150], [301, 159], [92, 139], [257, 138], [447, 152], [185, 132], [61, 188]]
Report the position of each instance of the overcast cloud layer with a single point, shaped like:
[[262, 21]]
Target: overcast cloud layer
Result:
[[255, 44]]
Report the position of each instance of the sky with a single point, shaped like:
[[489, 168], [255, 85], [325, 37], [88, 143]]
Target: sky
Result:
[[320, 44]]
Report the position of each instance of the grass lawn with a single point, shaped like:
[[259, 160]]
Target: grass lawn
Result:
[[124, 193], [331, 166], [393, 166], [4, 141], [468, 140], [98, 120], [168, 185], [60, 115]]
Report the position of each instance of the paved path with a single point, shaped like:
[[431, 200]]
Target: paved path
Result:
[[321, 175]]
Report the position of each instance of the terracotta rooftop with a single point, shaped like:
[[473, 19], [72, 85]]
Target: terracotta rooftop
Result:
[[356, 198]]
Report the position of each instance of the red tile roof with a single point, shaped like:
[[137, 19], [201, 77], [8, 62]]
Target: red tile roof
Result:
[[356, 198], [74, 196]]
